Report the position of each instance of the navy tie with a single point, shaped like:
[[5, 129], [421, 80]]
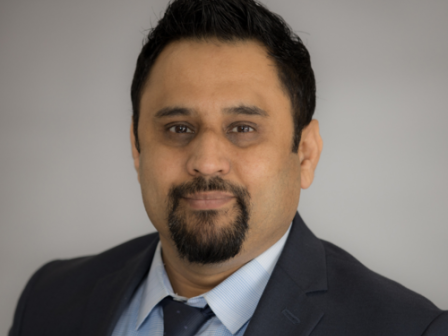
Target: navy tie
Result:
[[180, 319]]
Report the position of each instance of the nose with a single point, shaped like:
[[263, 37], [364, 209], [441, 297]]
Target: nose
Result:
[[208, 156]]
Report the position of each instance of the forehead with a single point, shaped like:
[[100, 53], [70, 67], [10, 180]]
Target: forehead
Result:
[[204, 74]]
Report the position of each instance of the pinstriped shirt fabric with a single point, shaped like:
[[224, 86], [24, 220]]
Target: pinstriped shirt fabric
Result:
[[233, 301]]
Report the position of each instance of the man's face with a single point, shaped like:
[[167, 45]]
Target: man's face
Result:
[[215, 163]]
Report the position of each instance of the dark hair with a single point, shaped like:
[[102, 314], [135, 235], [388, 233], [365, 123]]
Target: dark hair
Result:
[[233, 20]]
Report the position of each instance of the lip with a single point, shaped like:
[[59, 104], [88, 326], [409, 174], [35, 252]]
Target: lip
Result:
[[208, 200]]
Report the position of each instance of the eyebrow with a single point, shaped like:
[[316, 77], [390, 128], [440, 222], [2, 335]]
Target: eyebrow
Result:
[[235, 110], [246, 110], [172, 112]]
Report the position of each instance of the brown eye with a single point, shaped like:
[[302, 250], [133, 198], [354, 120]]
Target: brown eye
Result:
[[242, 129], [180, 129]]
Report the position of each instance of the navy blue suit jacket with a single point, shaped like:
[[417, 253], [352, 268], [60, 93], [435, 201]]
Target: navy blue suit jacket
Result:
[[315, 289]]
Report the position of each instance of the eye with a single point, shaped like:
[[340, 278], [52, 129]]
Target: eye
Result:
[[180, 129], [242, 129]]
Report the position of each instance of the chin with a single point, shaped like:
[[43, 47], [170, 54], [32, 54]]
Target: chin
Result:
[[209, 236]]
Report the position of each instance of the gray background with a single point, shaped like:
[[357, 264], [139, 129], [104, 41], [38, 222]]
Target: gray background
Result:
[[67, 184]]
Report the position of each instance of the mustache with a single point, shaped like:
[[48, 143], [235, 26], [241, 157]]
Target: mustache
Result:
[[200, 184]]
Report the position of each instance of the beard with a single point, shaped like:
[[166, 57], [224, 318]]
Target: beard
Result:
[[208, 236]]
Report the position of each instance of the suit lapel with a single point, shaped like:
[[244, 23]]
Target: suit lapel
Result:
[[113, 292], [285, 308]]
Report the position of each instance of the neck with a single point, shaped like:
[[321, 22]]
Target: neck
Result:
[[189, 279]]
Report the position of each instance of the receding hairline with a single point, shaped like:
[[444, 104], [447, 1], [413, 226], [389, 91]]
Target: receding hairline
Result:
[[221, 41]]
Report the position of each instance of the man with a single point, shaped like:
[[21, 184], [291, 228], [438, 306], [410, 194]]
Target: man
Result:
[[223, 141]]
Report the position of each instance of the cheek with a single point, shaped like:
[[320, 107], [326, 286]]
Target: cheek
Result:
[[269, 174], [273, 180], [158, 171]]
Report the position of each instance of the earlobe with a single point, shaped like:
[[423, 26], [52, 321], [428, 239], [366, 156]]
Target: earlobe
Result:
[[307, 174], [135, 152], [309, 153]]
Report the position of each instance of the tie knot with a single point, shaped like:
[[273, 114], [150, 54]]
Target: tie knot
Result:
[[180, 319]]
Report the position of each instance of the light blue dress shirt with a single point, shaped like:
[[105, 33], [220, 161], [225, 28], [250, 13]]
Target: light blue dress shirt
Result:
[[233, 301]]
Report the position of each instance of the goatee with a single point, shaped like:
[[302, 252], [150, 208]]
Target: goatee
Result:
[[198, 236]]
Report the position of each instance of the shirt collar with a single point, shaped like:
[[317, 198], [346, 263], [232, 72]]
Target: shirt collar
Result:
[[233, 301]]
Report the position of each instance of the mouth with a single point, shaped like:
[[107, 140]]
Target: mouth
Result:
[[208, 200]]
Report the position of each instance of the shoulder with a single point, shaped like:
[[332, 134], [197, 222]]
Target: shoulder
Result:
[[347, 273], [356, 291], [63, 287], [94, 266]]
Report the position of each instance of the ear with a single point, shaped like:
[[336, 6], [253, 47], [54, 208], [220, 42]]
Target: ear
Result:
[[135, 152], [309, 153]]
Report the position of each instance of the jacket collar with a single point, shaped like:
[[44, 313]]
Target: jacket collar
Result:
[[285, 309], [114, 291]]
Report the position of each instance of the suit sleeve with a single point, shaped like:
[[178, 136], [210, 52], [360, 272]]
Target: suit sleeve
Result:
[[439, 326], [21, 305]]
